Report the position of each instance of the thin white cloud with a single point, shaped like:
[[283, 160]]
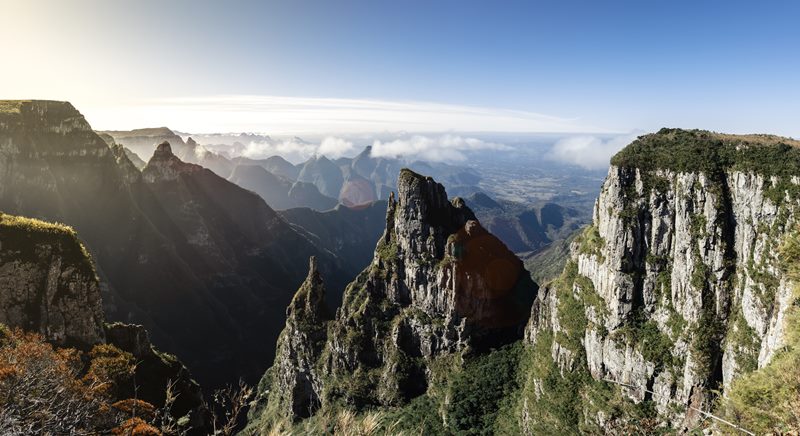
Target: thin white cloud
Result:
[[293, 150], [433, 148], [335, 147], [297, 150], [299, 115], [589, 151]]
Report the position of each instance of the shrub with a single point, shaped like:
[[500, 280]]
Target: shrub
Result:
[[477, 391], [42, 391]]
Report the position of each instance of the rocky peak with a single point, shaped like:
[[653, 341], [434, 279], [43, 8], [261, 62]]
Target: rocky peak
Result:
[[439, 284], [424, 217], [163, 151], [295, 379], [165, 166], [308, 303], [197, 153]]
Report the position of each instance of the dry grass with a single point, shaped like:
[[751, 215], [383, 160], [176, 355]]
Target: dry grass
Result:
[[11, 106], [47, 231], [35, 226], [756, 139], [343, 423]]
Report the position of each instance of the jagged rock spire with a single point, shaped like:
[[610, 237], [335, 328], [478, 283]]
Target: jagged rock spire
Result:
[[308, 304], [424, 217]]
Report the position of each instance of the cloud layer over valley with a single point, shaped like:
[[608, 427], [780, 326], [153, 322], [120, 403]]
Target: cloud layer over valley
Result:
[[589, 151], [432, 148], [444, 148]]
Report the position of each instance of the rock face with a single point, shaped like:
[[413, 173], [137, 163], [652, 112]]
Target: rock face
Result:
[[676, 287], [207, 267], [439, 286], [48, 285]]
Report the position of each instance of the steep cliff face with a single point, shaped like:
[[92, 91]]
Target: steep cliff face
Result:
[[676, 288], [439, 291], [48, 284]]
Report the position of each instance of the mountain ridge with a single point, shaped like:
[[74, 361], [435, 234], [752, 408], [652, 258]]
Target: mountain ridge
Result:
[[160, 266]]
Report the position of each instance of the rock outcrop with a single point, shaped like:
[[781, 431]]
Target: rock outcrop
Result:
[[676, 288], [155, 370], [164, 166], [47, 283], [439, 287]]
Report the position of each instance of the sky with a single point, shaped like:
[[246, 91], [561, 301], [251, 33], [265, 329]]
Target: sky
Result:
[[299, 66]]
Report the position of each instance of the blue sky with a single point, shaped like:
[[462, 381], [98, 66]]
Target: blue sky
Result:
[[584, 65]]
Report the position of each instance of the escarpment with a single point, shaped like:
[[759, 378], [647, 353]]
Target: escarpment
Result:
[[676, 287], [439, 292]]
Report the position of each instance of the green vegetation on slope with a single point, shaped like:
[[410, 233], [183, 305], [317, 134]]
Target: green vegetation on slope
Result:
[[548, 263], [702, 151], [475, 399]]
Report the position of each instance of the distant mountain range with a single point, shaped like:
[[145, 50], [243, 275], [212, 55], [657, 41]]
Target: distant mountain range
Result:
[[319, 183]]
